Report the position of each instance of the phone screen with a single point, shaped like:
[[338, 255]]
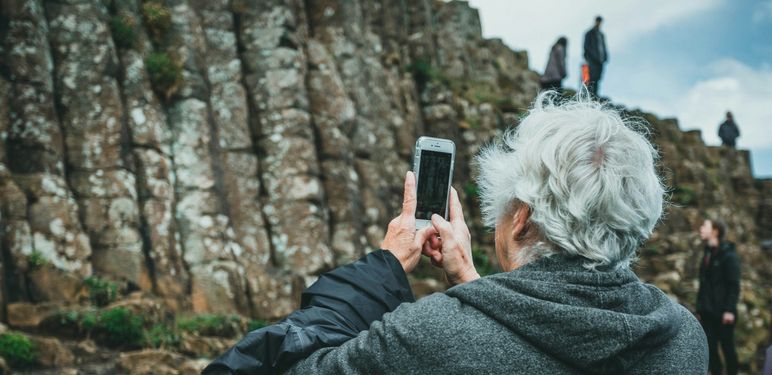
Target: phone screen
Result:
[[432, 190]]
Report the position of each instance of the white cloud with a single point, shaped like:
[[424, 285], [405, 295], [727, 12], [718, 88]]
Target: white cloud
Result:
[[535, 26], [731, 86], [736, 87]]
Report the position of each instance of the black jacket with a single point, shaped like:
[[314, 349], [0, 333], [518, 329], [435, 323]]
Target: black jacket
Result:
[[728, 132], [719, 280], [593, 41], [342, 303]]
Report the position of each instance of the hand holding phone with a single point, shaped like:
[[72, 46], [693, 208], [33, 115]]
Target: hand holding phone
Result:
[[433, 166], [402, 239], [453, 251]]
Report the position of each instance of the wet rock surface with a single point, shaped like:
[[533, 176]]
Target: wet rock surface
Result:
[[219, 155]]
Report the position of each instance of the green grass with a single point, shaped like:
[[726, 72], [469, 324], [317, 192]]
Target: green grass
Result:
[[210, 324], [121, 327], [101, 292], [161, 336], [165, 73], [17, 349], [117, 327]]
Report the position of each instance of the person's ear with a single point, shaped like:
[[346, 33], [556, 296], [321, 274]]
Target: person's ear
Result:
[[520, 222]]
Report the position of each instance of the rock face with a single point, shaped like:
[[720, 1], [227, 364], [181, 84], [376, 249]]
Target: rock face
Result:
[[221, 154]]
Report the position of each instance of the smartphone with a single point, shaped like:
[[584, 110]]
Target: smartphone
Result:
[[433, 167]]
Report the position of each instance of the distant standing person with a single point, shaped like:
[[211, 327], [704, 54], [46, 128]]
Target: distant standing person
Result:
[[596, 54], [718, 295], [728, 131], [556, 66]]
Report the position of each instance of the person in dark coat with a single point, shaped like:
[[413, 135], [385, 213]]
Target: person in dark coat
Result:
[[728, 131], [555, 72], [595, 54], [718, 294], [567, 301]]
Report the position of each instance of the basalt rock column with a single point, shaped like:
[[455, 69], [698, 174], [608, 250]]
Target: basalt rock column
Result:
[[343, 28], [150, 144], [40, 216], [206, 232], [270, 289], [91, 112], [273, 33]]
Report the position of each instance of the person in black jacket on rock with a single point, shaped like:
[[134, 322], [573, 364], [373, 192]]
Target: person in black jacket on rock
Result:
[[596, 54], [728, 131], [718, 294]]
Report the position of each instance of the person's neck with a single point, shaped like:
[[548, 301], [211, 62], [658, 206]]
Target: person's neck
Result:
[[713, 242]]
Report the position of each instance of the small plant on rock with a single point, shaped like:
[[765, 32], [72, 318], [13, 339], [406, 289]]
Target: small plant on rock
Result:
[[36, 260], [101, 292], [157, 18], [123, 29], [211, 325], [17, 349], [423, 72], [162, 336], [165, 74], [120, 327]]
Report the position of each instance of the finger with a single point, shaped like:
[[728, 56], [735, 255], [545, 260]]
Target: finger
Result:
[[456, 211], [422, 236], [435, 255], [435, 242], [442, 226], [409, 199], [428, 250]]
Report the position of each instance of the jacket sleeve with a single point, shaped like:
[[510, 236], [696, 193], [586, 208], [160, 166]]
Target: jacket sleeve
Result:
[[407, 340], [342, 303], [731, 271]]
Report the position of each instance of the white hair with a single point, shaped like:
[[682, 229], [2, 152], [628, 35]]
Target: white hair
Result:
[[586, 173]]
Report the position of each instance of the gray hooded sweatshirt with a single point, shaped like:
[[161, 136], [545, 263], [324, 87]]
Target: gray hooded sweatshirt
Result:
[[551, 316]]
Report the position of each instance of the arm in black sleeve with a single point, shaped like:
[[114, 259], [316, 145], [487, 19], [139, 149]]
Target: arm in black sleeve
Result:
[[731, 271], [587, 47], [342, 303]]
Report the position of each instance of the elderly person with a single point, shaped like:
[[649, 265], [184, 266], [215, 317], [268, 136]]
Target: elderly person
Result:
[[572, 193]]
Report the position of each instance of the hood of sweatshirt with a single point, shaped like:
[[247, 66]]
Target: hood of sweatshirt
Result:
[[592, 320]]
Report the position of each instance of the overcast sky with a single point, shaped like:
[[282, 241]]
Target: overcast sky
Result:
[[690, 59]]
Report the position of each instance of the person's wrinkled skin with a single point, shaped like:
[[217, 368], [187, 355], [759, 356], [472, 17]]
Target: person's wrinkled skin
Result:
[[446, 243], [401, 238]]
